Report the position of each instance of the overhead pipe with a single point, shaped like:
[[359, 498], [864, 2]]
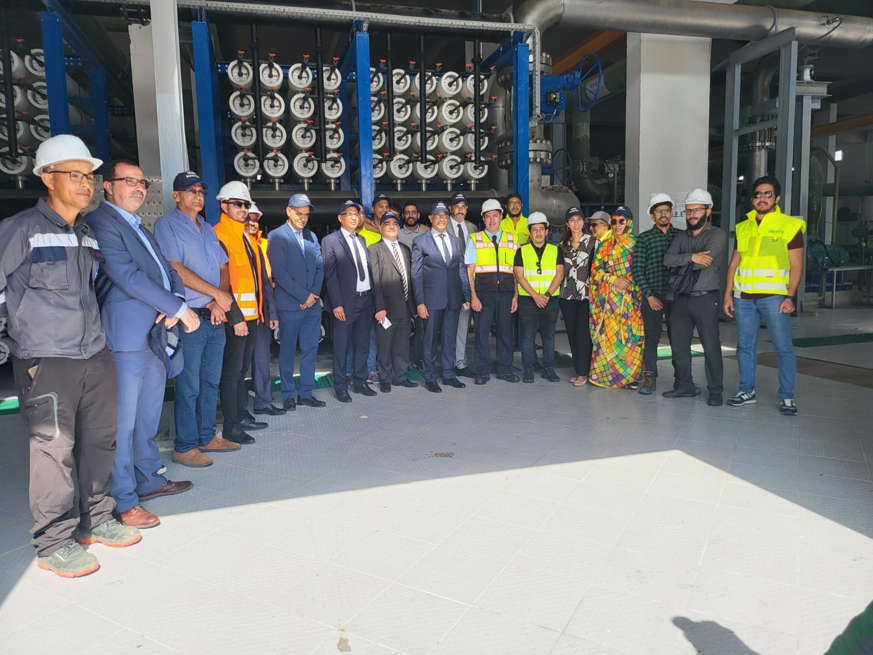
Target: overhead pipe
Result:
[[692, 18]]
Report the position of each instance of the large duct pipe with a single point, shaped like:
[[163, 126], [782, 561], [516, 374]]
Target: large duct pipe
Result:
[[691, 18]]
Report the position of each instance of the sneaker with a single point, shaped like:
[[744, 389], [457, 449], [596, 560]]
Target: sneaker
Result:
[[69, 561], [632, 386], [647, 388], [111, 533], [742, 398], [788, 407]]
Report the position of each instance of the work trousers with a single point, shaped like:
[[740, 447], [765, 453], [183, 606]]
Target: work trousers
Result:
[[142, 379], [532, 319], [496, 307], [652, 328], [262, 381], [197, 384], [578, 333], [71, 410], [234, 396], [299, 328], [701, 312], [352, 333], [393, 346], [440, 329]]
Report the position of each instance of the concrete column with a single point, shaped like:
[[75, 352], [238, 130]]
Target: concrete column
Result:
[[168, 94], [142, 72], [828, 207], [667, 133]]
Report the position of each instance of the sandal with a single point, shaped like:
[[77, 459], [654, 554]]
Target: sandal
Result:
[[580, 381]]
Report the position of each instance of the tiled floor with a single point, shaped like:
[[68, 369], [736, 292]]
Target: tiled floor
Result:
[[505, 519]]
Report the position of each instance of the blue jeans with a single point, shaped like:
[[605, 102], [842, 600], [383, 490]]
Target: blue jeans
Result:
[[197, 386], [749, 313]]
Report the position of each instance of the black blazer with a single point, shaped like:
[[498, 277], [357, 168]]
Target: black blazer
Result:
[[387, 283], [340, 272]]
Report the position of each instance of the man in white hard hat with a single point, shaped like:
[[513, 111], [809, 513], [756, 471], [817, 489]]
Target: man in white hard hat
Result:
[[697, 259], [539, 271], [63, 370], [651, 275], [490, 257], [192, 248], [137, 291], [253, 306]]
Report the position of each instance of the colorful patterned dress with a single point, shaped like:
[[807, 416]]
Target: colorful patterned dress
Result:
[[616, 320]]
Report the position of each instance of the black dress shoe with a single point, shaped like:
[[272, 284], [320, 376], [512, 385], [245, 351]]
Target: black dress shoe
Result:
[[310, 402], [343, 396], [527, 377], [550, 375], [481, 379], [289, 404], [385, 387], [681, 393], [715, 399], [249, 423], [409, 384], [270, 410], [363, 389], [464, 373], [433, 387], [454, 382], [509, 377], [240, 437]]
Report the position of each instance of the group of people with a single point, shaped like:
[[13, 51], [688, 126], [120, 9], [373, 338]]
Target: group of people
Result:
[[101, 312]]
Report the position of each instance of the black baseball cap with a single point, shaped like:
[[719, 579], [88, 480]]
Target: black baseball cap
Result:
[[184, 181], [457, 198], [573, 211], [624, 211], [381, 196]]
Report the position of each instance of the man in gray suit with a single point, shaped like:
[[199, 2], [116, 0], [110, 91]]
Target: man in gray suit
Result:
[[463, 228], [394, 304]]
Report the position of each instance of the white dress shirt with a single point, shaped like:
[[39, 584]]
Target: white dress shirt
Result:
[[355, 241], [443, 242]]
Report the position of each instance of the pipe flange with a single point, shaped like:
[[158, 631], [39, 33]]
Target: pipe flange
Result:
[[540, 151]]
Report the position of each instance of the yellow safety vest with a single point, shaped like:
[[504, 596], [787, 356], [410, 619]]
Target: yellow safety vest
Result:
[[764, 264], [370, 237], [539, 281], [488, 260], [520, 231]]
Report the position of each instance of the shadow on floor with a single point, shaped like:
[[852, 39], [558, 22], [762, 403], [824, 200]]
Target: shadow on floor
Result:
[[711, 638]]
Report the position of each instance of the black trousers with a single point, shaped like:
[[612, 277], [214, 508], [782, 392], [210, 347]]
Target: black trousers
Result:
[[578, 333], [237, 357], [71, 410], [495, 309], [393, 349], [352, 333], [652, 327], [701, 312]]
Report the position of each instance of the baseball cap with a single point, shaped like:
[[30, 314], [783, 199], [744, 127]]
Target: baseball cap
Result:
[[624, 211], [438, 207], [573, 211], [184, 181], [348, 204], [390, 216], [300, 200], [600, 215], [381, 196], [457, 198]]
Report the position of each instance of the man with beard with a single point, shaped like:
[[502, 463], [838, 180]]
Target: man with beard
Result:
[[137, 289], [462, 228], [411, 225], [514, 222], [702, 249]]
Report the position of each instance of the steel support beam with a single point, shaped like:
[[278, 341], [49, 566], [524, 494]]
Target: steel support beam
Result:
[[785, 118], [99, 112], [365, 127], [520, 126], [55, 72], [206, 88]]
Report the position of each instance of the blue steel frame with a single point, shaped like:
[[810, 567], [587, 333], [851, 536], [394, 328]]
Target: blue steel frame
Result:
[[206, 88], [55, 31], [521, 122], [361, 52]]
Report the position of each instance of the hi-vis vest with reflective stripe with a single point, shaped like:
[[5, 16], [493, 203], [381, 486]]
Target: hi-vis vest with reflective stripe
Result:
[[243, 283], [764, 265], [494, 266], [548, 265]]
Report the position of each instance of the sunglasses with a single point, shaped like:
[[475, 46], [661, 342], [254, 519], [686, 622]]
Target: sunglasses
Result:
[[239, 204], [618, 221], [763, 194]]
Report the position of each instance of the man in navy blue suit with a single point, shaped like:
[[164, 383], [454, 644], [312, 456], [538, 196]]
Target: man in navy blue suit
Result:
[[349, 282], [137, 289], [298, 273], [439, 280]]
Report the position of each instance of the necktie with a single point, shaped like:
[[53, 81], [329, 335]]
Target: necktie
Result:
[[461, 231], [444, 247], [496, 251], [399, 262], [356, 257]]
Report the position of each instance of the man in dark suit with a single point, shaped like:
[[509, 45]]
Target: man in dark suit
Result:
[[439, 279], [394, 303], [348, 278], [136, 289], [298, 272]]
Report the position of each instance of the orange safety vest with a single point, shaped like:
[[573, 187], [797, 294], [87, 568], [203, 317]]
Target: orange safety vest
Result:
[[262, 242], [247, 289]]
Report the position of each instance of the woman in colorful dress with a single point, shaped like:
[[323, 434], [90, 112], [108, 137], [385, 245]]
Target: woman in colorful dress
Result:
[[578, 250], [616, 319]]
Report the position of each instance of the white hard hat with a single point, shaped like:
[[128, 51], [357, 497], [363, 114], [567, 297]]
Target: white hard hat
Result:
[[698, 197], [490, 205], [254, 209], [63, 147], [537, 218], [235, 189], [659, 199]]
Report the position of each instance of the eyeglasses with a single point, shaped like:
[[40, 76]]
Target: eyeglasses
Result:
[[132, 182], [350, 214], [618, 221], [695, 212], [77, 177], [662, 212], [239, 204], [763, 194]]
